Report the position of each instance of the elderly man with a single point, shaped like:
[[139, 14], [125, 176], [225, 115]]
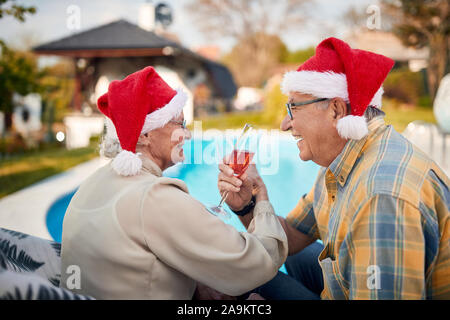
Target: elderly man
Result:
[[379, 204]]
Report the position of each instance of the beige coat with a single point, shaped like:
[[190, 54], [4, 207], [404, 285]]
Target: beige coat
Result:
[[145, 237]]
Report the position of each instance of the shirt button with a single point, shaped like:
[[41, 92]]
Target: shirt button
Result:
[[341, 179]]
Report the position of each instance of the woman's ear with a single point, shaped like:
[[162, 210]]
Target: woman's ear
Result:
[[144, 139], [339, 108]]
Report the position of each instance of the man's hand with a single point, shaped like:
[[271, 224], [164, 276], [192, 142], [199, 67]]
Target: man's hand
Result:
[[241, 189]]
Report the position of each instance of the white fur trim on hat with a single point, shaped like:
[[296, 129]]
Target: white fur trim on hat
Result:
[[127, 163], [159, 118], [352, 127], [322, 85]]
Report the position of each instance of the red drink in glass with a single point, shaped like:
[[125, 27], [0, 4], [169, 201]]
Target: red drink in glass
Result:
[[240, 160]]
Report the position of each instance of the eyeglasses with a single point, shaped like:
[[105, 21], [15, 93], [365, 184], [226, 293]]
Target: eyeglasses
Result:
[[291, 105], [181, 123]]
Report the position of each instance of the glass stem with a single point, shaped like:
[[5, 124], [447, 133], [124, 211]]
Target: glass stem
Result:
[[224, 197]]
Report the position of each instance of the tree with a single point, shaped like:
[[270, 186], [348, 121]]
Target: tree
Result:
[[18, 71], [10, 8], [252, 59], [239, 19], [57, 86], [254, 25], [424, 23], [18, 74]]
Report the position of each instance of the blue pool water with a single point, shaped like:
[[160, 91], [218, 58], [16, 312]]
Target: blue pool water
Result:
[[286, 176]]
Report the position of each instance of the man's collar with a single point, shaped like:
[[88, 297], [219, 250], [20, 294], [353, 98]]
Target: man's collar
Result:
[[150, 166], [344, 162]]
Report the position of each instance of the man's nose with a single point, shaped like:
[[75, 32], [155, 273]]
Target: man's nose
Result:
[[286, 123]]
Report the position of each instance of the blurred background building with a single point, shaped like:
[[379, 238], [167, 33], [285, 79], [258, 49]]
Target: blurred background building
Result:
[[114, 50]]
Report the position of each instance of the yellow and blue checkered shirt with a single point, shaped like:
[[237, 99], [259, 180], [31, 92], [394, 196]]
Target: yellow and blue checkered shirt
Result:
[[382, 211]]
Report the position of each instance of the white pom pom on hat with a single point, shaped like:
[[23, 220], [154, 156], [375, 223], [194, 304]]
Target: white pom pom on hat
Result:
[[127, 163], [352, 127]]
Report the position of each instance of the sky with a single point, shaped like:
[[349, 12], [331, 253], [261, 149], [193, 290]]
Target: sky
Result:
[[50, 22]]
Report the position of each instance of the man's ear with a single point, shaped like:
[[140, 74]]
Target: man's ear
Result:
[[338, 107]]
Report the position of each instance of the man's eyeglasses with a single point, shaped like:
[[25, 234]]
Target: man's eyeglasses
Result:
[[181, 123], [292, 105]]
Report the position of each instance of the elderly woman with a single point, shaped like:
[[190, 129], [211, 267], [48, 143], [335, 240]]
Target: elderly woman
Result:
[[135, 234]]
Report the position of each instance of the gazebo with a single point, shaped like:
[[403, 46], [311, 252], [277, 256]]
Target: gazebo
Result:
[[114, 50]]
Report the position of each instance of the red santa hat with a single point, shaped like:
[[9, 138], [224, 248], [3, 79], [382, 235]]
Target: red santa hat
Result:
[[336, 70], [137, 104]]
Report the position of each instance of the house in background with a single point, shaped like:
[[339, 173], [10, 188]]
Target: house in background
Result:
[[387, 44], [114, 50], [117, 49]]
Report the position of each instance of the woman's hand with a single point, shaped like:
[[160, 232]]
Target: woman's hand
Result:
[[241, 189]]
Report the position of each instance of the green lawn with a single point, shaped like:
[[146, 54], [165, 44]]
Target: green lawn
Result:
[[19, 172], [234, 121], [400, 118]]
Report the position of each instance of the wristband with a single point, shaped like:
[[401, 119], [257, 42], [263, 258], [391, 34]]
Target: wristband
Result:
[[249, 207]]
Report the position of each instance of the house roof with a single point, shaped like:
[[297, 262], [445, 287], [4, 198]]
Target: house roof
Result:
[[124, 39], [386, 43], [119, 34]]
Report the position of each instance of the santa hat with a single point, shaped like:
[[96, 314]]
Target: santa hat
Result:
[[137, 104], [336, 70]]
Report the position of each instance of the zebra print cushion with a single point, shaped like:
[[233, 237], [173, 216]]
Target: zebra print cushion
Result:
[[30, 268]]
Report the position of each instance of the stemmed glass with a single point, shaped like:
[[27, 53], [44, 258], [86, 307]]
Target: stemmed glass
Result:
[[239, 160]]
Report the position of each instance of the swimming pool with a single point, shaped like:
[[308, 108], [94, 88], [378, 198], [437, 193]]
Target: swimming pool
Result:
[[286, 176]]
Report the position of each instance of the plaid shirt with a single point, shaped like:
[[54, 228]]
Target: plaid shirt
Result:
[[382, 211]]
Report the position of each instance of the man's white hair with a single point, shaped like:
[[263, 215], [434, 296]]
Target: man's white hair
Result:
[[370, 113]]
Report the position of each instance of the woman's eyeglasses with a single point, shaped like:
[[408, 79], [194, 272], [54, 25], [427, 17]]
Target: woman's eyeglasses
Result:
[[291, 105], [181, 123]]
